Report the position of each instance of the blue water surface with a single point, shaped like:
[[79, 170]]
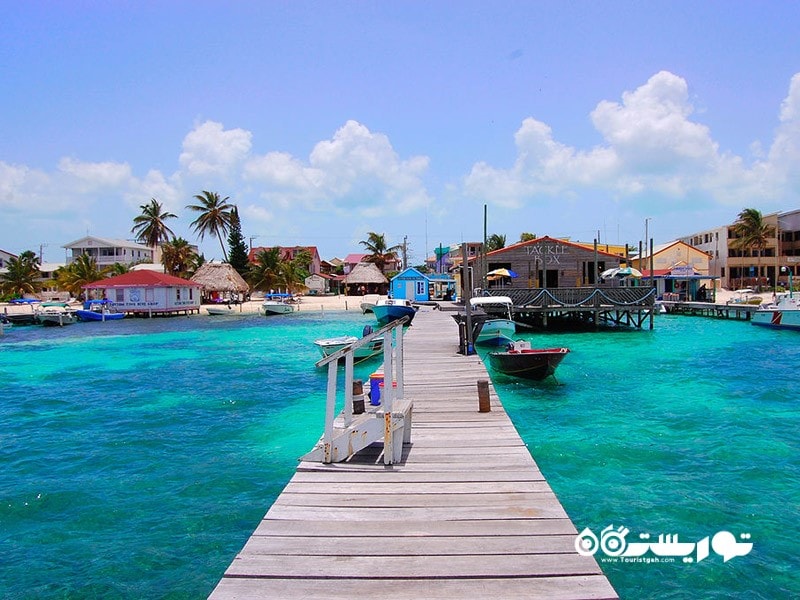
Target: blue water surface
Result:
[[138, 456]]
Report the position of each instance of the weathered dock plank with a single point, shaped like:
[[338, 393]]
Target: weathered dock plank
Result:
[[464, 513]]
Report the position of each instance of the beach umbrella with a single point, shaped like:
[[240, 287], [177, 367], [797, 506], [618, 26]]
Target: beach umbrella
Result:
[[501, 273], [628, 272], [620, 272]]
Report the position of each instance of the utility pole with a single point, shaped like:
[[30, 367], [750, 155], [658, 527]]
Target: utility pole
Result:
[[405, 251]]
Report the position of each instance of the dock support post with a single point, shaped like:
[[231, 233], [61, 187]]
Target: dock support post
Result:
[[483, 396]]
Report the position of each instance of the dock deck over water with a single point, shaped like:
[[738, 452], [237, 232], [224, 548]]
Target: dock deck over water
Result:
[[465, 513]]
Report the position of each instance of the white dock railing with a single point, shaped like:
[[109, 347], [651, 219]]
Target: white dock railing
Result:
[[343, 439]]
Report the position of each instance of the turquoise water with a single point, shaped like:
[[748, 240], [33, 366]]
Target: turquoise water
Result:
[[690, 429], [139, 456]]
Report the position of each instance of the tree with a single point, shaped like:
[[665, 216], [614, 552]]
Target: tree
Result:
[[495, 242], [214, 217], [526, 237], [117, 269], [379, 253], [178, 258], [81, 271], [22, 275], [264, 273], [752, 233], [150, 227], [238, 249]]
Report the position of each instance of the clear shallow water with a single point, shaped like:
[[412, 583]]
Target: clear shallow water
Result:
[[690, 429], [138, 456]]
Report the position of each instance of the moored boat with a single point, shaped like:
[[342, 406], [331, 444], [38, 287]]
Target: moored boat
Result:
[[785, 314], [55, 313], [368, 303], [390, 309], [225, 309], [499, 327], [98, 310], [520, 360], [372, 348], [275, 307]]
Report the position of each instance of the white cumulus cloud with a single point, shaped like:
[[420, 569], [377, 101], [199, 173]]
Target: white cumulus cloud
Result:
[[652, 149], [355, 169], [210, 149]]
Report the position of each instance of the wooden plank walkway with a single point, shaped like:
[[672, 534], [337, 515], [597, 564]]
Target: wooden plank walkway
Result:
[[466, 513]]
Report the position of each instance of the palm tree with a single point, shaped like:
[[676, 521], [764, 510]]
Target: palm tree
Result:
[[80, 272], [22, 275], [752, 234], [264, 274], [495, 242], [178, 257], [214, 217], [379, 253], [150, 227]]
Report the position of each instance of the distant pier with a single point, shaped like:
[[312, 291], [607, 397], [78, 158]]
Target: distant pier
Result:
[[735, 311], [583, 307], [464, 513]]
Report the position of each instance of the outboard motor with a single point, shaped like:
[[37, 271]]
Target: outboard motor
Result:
[[367, 330]]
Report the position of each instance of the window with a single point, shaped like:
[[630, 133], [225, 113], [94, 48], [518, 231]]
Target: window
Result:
[[177, 294], [119, 295]]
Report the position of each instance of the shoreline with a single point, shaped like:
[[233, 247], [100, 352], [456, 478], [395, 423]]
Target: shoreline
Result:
[[336, 303]]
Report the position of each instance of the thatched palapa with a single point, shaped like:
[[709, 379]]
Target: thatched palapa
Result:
[[366, 276], [219, 279]]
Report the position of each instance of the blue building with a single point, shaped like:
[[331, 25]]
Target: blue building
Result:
[[410, 284]]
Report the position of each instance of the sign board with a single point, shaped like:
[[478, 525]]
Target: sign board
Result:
[[682, 271]]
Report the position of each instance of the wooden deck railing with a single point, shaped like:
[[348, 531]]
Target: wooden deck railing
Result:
[[393, 376]]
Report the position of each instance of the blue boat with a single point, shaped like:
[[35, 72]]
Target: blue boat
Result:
[[390, 309], [98, 310]]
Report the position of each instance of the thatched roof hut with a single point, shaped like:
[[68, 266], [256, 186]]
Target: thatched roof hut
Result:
[[220, 278], [369, 276]]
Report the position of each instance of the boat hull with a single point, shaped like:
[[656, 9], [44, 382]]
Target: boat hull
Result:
[[535, 364], [329, 346], [91, 315], [220, 310], [496, 332], [386, 313], [777, 319], [56, 320], [276, 308]]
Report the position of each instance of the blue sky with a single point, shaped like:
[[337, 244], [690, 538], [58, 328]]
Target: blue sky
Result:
[[326, 120]]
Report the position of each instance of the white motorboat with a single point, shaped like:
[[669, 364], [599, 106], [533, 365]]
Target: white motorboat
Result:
[[784, 314], [275, 307], [499, 327], [222, 310], [55, 314], [372, 348]]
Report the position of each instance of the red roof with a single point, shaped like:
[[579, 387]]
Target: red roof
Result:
[[142, 279], [354, 258]]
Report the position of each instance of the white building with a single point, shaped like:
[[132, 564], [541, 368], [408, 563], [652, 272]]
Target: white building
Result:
[[738, 268], [106, 252]]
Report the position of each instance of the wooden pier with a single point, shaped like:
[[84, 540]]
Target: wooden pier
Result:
[[734, 311], [464, 513]]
